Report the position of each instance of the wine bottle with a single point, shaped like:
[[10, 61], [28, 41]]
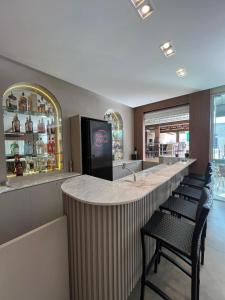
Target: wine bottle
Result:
[[48, 128], [18, 166], [23, 103], [16, 124], [30, 125], [49, 146], [26, 126], [11, 102], [52, 127], [53, 146]]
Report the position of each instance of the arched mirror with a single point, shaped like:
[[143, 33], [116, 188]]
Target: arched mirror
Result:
[[117, 133], [32, 130]]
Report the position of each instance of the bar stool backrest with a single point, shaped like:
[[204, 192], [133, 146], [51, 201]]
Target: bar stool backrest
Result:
[[199, 225], [203, 200]]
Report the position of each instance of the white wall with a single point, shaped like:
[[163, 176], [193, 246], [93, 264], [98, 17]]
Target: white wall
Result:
[[35, 265], [73, 100]]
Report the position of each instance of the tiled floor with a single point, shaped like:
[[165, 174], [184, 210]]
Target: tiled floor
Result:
[[177, 285]]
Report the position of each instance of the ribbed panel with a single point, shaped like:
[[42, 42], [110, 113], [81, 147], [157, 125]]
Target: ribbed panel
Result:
[[105, 245]]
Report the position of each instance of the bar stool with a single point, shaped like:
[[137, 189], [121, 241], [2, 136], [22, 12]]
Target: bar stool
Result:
[[208, 171], [188, 192], [195, 183], [179, 237], [189, 210]]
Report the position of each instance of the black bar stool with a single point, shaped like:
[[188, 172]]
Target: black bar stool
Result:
[[188, 192], [189, 210], [204, 177], [195, 183], [179, 237]]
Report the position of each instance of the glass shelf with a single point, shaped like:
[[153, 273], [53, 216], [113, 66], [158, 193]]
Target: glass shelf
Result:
[[32, 130], [29, 113]]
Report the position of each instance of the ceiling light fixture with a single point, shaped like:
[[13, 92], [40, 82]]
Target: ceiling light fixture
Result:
[[145, 11], [165, 46], [168, 49], [169, 52], [181, 72], [137, 3]]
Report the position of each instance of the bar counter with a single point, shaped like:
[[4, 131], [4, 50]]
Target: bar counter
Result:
[[104, 221]]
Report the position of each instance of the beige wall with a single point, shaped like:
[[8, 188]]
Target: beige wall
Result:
[[73, 100]]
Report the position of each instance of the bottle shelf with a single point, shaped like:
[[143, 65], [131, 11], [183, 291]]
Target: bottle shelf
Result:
[[29, 113], [22, 135]]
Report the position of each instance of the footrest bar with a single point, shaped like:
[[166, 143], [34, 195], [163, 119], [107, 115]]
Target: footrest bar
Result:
[[173, 261], [157, 290]]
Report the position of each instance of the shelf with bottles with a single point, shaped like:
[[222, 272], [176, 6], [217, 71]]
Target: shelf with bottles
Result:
[[28, 112], [32, 128]]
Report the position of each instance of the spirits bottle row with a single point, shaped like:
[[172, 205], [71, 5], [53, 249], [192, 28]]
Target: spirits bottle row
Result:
[[32, 165], [29, 128], [30, 103], [39, 148]]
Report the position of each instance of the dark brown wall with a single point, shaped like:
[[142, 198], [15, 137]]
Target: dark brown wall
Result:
[[199, 125]]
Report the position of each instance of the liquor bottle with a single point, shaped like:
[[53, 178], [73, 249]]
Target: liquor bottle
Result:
[[18, 166], [16, 124], [30, 125], [27, 126], [39, 106], [39, 126], [11, 102], [22, 103], [48, 128], [49, 146], [52, 127], [53, 146], [26, 150], [40, 147], [14, 148], [42, 105], [42, 126], [29, 148]]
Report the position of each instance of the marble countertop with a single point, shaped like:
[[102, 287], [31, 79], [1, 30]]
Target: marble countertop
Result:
[[117, 163], [96, 191], [17, 183]]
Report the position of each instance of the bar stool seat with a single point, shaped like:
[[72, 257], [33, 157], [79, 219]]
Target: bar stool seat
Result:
[[170, 230], [181, 207], [192, 182], [188, 192]]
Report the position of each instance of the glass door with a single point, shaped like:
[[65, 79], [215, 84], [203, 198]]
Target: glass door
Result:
[[218, 145]]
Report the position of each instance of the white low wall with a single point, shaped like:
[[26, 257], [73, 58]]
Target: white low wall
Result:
[[35, 265]]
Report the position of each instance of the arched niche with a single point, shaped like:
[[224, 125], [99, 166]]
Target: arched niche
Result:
[[116, 120], [32, 129]]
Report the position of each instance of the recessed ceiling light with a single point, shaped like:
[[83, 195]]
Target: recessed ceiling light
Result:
[[145, 11], [165, 46], [181, 72], [137, 3], [169, 52]]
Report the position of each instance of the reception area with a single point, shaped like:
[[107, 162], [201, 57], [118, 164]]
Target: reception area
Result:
[[112, 150]]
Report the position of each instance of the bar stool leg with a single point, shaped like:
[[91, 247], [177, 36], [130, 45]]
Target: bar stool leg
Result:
[[157, 252], [198, 280], [143, 266], [203, 237], [194, 280]]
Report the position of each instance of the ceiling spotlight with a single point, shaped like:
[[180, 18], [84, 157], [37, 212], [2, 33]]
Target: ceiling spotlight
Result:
[[145, 11], [165, 46], [181, 72], [167, 49], [169, 52], [137, 3]]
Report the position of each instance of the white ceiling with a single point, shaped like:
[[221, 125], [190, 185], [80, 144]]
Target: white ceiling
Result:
[[104, 46]]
